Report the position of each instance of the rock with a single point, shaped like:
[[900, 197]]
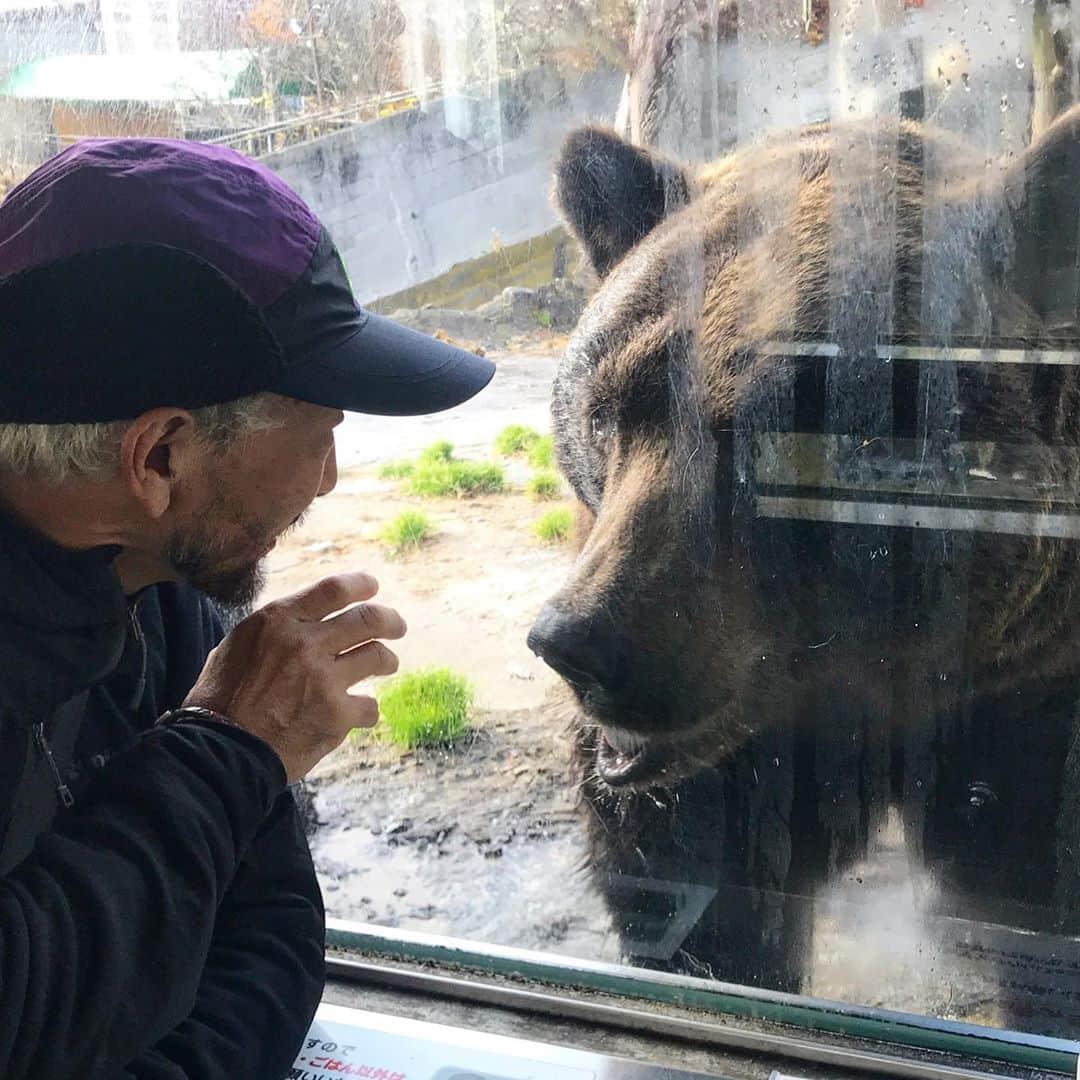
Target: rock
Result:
[[520, 304], [563, 301]]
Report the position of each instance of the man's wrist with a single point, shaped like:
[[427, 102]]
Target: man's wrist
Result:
[[194, 714], [201, 716]]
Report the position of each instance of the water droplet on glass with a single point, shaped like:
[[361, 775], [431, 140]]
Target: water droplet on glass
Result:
[[967, 82], [1004, 103], [776, 763], [1019, 61]]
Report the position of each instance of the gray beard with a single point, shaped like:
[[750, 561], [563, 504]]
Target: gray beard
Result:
[[234, 589]]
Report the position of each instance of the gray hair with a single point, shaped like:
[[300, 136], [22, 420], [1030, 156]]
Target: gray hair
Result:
[[53, 452]]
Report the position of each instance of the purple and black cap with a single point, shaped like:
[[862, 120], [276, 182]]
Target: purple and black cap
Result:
[[143, 272]]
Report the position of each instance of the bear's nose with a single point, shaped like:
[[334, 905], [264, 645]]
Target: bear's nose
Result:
[[584, 651]]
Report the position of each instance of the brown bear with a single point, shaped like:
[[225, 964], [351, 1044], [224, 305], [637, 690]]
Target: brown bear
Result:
[[821, 418]]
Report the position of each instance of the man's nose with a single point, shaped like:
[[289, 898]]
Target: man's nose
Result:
[[329, 472], [585, 652]]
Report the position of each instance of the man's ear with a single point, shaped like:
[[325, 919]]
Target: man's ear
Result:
[[153, 450], [1042, 210], [612, 194]]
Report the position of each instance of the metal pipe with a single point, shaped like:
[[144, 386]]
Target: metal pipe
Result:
[[640, 1021]]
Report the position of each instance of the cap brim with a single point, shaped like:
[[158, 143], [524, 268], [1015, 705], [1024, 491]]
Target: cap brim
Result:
[[386, 369]]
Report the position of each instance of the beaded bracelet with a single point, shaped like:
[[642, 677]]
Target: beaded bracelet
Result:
[[193, 712]]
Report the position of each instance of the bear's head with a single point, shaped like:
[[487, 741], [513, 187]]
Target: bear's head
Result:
[[677, 639]]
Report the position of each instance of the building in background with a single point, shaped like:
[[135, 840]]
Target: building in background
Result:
[[196, 95]]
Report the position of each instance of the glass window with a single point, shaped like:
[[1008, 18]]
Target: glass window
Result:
[[743, 603]]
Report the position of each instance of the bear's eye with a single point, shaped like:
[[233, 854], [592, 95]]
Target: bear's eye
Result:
[[601, 426]]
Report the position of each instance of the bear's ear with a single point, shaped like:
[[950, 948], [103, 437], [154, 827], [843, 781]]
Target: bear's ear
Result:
[[1042, 205], [612, 193]]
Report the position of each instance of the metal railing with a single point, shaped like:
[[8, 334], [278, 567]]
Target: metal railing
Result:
[[295, 131], [727, 1015]]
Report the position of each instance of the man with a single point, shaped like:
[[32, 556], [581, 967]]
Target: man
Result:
[[178, 342]]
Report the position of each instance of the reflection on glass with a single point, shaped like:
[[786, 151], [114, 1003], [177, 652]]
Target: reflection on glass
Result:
[[802, 710], [821, 412]]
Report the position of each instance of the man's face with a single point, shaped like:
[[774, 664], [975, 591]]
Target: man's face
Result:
[[248, 497]]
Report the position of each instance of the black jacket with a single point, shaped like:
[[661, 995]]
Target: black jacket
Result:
[[168, 924]]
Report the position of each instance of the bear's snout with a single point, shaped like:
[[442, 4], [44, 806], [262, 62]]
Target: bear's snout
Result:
[[584, 650]]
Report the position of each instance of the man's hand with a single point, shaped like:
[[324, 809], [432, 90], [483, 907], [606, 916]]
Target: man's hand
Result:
[[283, 673]]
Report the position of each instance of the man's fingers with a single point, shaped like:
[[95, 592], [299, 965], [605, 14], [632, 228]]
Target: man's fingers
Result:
[[366, 662], [366, 712], [365, 622], [329, 595]]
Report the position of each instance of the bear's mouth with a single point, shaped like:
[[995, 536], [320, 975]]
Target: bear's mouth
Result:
[[624, 759]]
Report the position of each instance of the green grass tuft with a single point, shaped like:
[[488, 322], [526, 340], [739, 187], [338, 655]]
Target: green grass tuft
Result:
[[555, 526], [544, 485], [440, 451], [429, 707], [515, 439], [434, 479], [396, 470], [542, 453], [436, 472], [407, 531]]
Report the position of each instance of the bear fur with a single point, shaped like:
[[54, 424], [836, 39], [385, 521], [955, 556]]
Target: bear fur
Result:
[[782, 685]]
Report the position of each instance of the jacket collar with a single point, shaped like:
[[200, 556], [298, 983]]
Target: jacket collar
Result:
[[63, 619]]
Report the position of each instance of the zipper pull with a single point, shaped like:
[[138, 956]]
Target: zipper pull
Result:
[[63, 792], [140, 640]]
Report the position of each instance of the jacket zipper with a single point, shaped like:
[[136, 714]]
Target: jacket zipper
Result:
[[63, 792], [140, 641]]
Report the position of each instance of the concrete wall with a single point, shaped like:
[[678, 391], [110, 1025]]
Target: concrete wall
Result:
[[408, 197]]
